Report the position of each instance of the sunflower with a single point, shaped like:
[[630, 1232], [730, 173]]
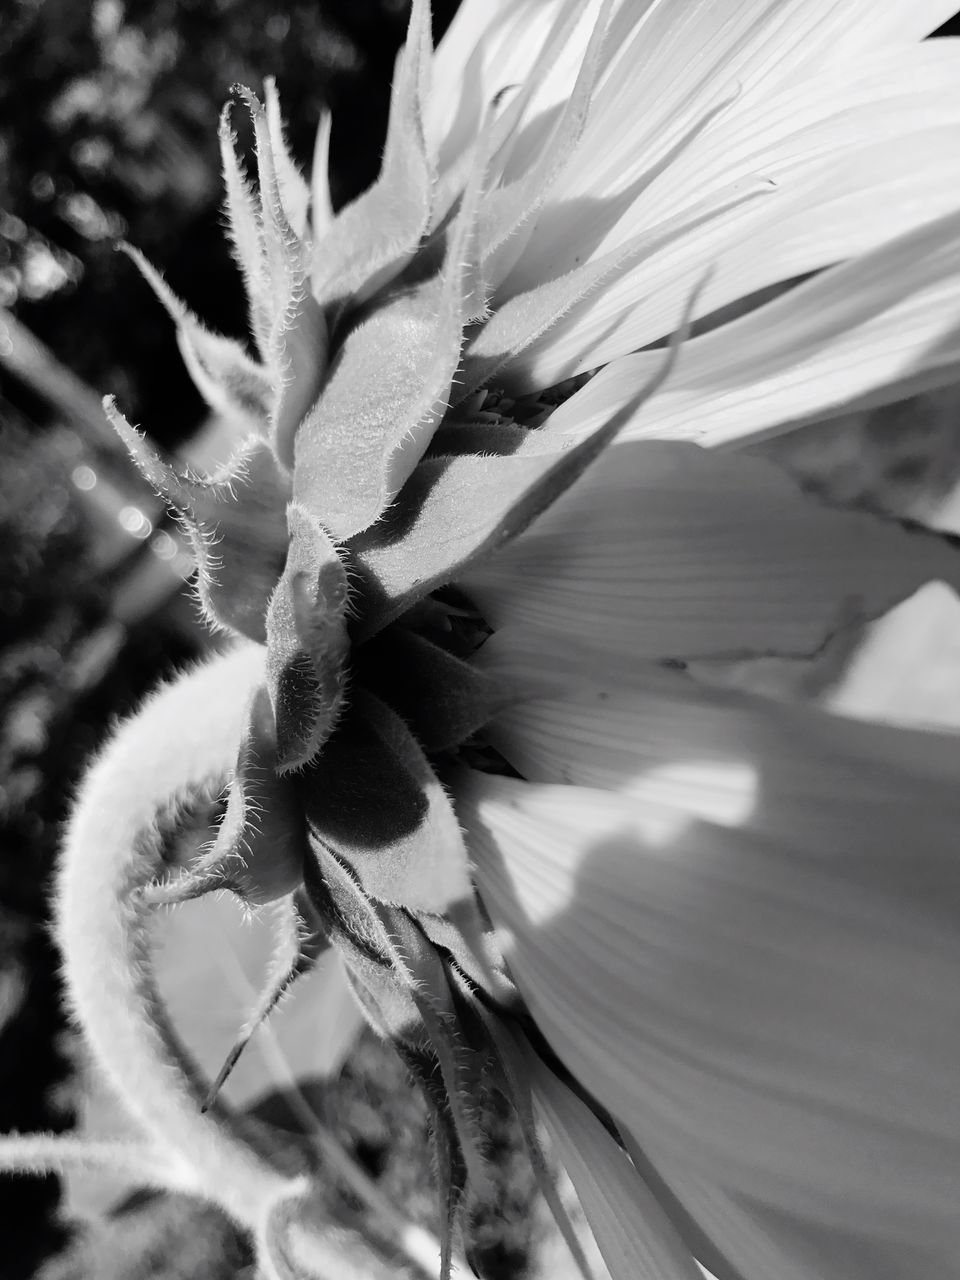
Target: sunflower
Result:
[[485, 579]]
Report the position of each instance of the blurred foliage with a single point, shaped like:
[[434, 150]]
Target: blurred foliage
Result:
[[382, 1123], [108, 117], [60, 685]]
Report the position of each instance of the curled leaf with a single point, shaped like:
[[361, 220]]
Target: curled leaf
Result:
[[261, 842]]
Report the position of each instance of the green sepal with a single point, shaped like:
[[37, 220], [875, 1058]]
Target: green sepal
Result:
[[389, 388], [246, 234], [373, 238], [453, 511], [451, 1174], [297, 340], [465, 935], [455, 438], [372, 797], [236, 521], [298, 348], [441, 697], [307, 642], [291, 184], [232, 384], [402, 985], [382, 985], [510, 1048], [262, 841]]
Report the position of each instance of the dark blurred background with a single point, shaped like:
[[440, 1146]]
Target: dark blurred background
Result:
[[108, 115]]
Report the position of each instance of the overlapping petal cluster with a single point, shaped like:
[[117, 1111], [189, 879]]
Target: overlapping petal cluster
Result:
[[481, 569]]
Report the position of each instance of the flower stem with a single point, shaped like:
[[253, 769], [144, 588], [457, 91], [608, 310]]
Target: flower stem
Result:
[[41, 1153], [184, 740]]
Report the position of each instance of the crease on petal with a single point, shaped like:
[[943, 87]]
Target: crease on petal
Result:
[[666, 550], [856, 335]]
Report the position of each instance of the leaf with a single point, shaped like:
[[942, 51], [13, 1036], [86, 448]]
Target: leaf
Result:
[[372, 798], [389, 389], [307, 644]]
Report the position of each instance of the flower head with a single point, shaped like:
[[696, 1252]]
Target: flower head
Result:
[[480, 588]]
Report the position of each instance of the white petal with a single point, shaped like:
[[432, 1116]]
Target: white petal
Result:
[[866, 332], [667, 550], [489, 46], [738, 1237], [745, 132], [781, 1015], [906, 668], [856, 160], [633, 1233], [677, 51], [596, 720]]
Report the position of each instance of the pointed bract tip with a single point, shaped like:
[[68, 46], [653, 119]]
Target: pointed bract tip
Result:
[[231, 1060]]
